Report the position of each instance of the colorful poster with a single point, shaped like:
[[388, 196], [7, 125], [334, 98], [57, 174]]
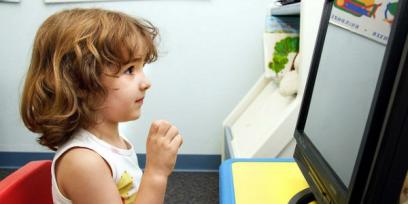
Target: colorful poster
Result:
[[370, 18]]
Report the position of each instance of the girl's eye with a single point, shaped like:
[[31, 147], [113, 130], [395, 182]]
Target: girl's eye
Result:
[[129, 70]]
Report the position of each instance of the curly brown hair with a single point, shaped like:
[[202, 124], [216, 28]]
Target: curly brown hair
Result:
[[71, 50]]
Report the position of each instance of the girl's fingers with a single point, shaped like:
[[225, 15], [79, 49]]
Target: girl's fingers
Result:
[[153, 128], [171, 133], [163, 127], [177, 141]]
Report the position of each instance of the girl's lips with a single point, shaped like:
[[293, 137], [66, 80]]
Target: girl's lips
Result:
[[140, 100]]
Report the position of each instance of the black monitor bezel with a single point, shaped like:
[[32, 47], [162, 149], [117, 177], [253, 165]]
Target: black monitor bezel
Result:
[[318, 173], [390, 164]]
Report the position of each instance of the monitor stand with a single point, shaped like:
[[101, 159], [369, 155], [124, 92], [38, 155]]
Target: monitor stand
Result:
[[302, 197]]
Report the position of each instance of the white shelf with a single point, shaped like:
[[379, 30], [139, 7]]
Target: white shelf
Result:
[[262, 124], [290, 9]]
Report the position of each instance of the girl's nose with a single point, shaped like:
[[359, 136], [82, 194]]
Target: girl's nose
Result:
[[146, 84]]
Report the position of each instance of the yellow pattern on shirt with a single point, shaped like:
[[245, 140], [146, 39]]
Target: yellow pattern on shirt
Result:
[[124, 185]]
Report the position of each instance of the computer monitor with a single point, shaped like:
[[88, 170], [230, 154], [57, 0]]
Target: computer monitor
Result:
[[350, 130]]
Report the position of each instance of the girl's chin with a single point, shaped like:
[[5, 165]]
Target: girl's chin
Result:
[[136, 115], [131, 115]]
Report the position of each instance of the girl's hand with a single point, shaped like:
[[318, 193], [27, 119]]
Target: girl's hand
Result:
[[163, 143]]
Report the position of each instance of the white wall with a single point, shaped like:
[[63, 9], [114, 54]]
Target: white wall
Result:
[[211, 54], [311, 14]]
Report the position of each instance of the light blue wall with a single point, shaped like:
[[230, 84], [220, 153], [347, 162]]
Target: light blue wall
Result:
[[210, 55]]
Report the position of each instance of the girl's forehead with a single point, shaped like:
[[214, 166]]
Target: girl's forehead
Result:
[[136, 57], [133, 51]]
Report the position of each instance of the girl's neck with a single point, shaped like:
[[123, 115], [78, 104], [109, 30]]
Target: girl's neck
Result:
[[108, 132]]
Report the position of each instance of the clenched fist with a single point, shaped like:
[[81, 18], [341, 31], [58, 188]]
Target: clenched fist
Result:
[[163, 143]]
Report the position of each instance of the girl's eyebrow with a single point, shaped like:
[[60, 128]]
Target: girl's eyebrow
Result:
[[135, 59], [129, 63]]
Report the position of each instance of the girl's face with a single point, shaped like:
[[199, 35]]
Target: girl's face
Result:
[[126, 91]]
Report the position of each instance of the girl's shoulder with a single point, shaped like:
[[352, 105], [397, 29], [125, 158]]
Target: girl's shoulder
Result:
[[80, 159], [83, 170]]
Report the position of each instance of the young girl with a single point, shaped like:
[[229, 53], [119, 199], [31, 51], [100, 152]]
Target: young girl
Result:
[[86, 76]]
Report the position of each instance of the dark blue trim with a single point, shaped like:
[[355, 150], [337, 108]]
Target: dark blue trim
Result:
[[191, 162], [226, 183], [14, 160], [185, 162]]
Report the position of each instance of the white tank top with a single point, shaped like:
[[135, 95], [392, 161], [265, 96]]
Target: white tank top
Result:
[[123, 163]]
